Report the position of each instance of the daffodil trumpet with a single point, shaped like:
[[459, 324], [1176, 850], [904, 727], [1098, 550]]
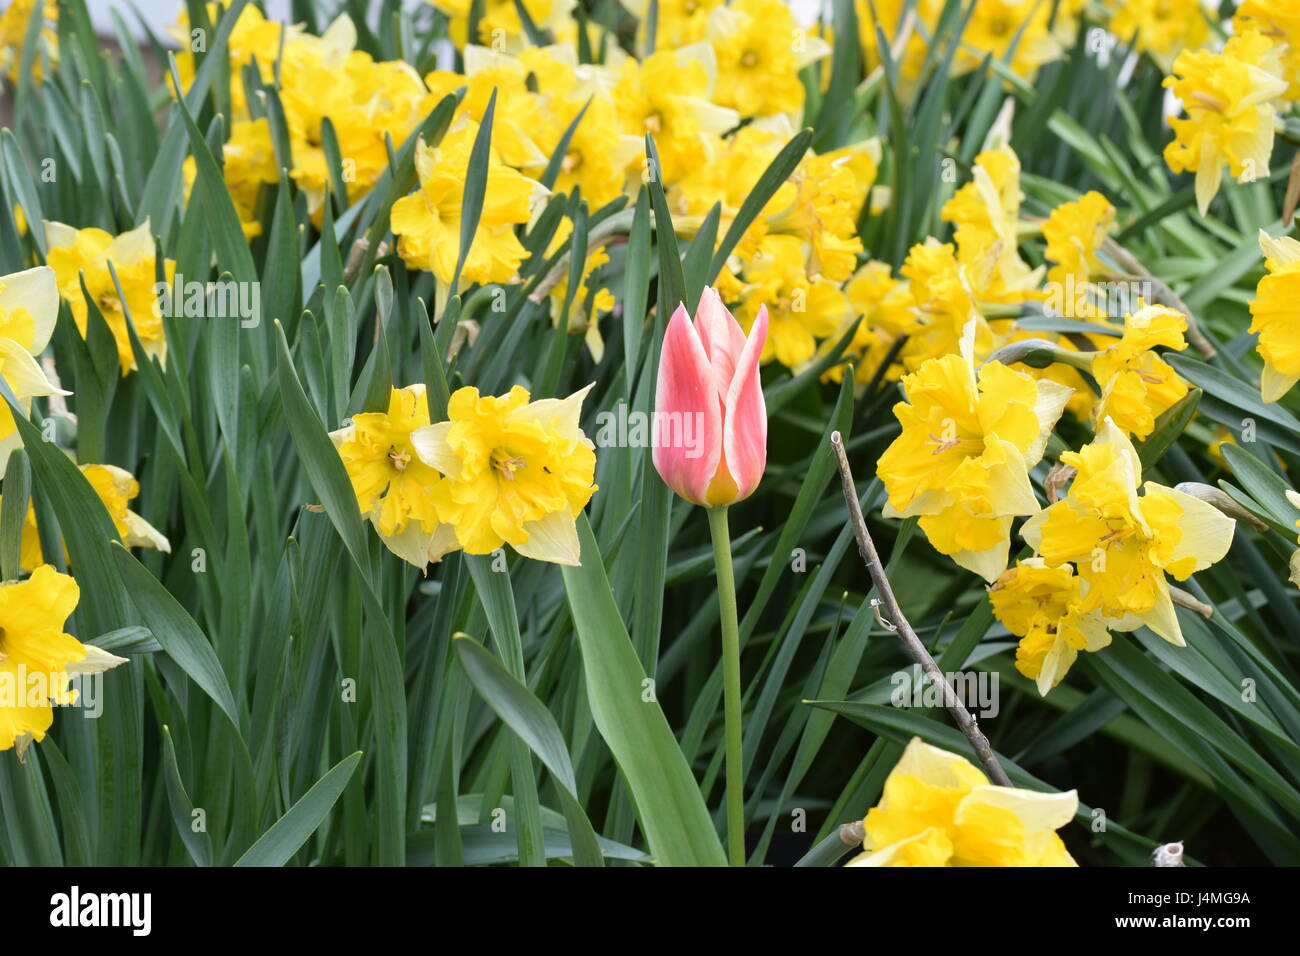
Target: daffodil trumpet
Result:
[[708, 374]]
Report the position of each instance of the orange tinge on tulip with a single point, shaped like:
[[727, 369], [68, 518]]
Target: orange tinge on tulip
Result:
[[710, 423]]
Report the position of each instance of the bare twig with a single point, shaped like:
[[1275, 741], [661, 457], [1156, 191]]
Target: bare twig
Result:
[[867, 548], [1192, 603]]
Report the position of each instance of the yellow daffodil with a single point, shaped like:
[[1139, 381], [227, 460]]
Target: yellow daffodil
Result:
[[427, 222], [906, 27], [962, 461], [669, 95], [1275, 316], [115, 487], [680, 22], [1137, 385], [582, 320], [1279, 20], [514, 472], [885, 304], [37, 658], [1042, 606], [823, 209], [367, 102], [1124, 544], [1074, 232], [515, 113], [597, 159], [938, 809], [944, 303], [1163, 28], [499, 22], [986, 212], [394, 487], [13, 33], [29, 306], [760, 50], [78, 253], [248, 160], [996, 24], [1228, 98], [801, 309]]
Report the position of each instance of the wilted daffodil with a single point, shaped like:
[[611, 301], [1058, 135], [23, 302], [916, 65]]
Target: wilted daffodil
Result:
[[29, 305], [938, 809], [1124, 544], [1137, 385], [962, 462], [1042, 606], [1228, 98], [1275, 315], [514, 472], [394, 488], [37, 659], [427, 222], [77, 252]]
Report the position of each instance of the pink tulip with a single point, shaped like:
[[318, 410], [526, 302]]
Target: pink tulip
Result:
[[710, 424]]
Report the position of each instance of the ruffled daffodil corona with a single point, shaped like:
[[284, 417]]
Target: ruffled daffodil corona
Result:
[[37, 658], [962, 462], [1124, 544], [938, 809], [1043, 607], [1137, 385], [513, 472]]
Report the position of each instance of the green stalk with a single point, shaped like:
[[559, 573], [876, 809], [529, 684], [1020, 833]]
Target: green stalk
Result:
[[730, 684]]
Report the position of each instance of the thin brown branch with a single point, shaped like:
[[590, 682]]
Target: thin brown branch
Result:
[[867, 548]]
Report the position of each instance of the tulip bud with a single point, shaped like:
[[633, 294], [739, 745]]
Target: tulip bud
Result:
[[710, 423]]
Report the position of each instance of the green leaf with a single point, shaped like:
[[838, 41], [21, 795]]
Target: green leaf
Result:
[[668, 800], [181, 638], [277, 845], [528, 717]]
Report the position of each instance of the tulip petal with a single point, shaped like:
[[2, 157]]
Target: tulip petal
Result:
[[686, 406], [745, 429], [722, 338]]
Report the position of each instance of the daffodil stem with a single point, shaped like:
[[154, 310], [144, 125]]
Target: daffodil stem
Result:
[[730, 685], [888, 606]]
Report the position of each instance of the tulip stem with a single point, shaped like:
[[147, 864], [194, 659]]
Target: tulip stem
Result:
[[730, 685]]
